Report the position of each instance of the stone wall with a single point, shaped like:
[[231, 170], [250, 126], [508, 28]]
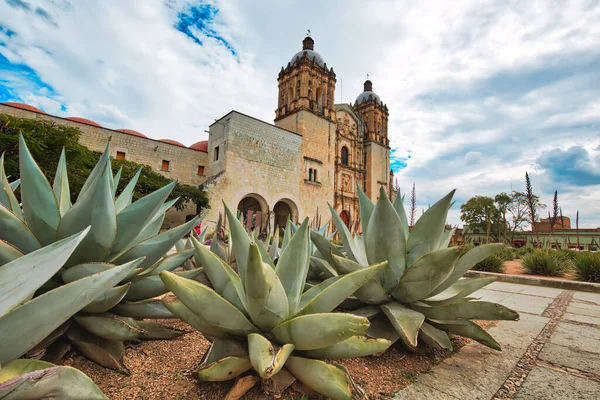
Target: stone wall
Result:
[[377, 166], [183, 162]]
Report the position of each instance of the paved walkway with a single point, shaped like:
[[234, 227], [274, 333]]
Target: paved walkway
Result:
[[553, 352]]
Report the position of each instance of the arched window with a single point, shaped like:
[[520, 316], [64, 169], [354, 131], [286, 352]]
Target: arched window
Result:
[[320, 99], [310, 174], [291, 98], [315, 176], [345, 156]]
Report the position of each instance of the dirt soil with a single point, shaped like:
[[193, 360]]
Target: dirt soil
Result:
[[514, 267], [164, 370]]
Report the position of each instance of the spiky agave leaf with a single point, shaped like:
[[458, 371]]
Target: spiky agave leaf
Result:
[[424, 275]]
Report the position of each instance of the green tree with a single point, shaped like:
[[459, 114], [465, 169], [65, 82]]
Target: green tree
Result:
[[46, 139], [502, 201], [480, 211]]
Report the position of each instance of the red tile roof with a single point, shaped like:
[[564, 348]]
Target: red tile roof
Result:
[[84, 121], [132, 132], [200, 146], [175, 142], [23, 107]]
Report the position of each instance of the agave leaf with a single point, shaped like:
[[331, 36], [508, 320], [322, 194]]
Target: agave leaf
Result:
[[61, 185], [110, 327], [20, 278], [51, 338], [96, 172], [468, 310], [274, 249], [169, 263], [126, 195], [240, 242], [466, 262], [195, 321], [108, 353], [355, 346], [386, 242], [152, 228], [222, 277], [157, 331], [142, 210], [425, 274], [15, 231], [329, 380], [368, 312], [406, 322], [8, 253], [352, 251], [50, 383], [292, 267], [107, 300], [151, 308], [320, 269], [314, 331], [424, 236], [205, 302], [25, 326], [151, 286], [435, 337], [264, 254], [399, 207], [266, 299], [314, 289], [459, 290], [216, 248], [329, 298], [366, 208], [324, 246], [445, 238], [371, 292], [219, 351], [87, 269], [40, 209], [95, 208], [155, 247], [7, 196], [21, 366], [202, 235], [467, 329], [287, 234], [116, 180], [266, 358], [382, 328]]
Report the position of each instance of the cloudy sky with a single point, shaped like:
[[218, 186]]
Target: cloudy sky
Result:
[[479, 92]]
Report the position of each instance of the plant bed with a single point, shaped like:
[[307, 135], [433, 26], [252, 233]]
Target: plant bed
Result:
[[165, 370], [515, 267]]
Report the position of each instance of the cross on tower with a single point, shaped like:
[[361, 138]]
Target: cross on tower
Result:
[[367, 76], [308, 32]]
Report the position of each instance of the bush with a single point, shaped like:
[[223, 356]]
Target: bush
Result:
[[587, 266], [545, 263], [567, 254], [523, 251], [491, 264], [507, 254]]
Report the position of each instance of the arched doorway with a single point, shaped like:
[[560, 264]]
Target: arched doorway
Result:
[[253, 207], [346, 218], [284, 209]]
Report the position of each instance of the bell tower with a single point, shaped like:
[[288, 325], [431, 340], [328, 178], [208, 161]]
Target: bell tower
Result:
[[306, 84]]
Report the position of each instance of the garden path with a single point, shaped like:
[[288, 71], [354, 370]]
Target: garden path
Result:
[[551, 353]]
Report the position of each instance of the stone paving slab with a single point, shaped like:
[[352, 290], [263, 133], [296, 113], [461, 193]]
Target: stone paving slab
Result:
[[506, 287], [586, 305], [592, 311], [571, 357], [541, 291], [580, 337], [528, 304], [547, 384], [582, 318], [422, 392], [593, 297], [491, 295], [476, 372]]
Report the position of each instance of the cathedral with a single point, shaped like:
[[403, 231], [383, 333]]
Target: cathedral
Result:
[[313, 155]]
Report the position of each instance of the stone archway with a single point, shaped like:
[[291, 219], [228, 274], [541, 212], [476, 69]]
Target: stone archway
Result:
[[346, 218], [254, 208], [284, 209]]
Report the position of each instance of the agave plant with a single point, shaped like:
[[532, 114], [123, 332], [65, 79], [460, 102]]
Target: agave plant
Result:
[[27, 320], [121, 231], [421, 295], [262, 319]]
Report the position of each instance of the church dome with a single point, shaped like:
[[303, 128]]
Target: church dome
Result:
[[308, 45], [84, 121], [171, 141], [132, 132], [22, 106], [200, 146], [368, 94]]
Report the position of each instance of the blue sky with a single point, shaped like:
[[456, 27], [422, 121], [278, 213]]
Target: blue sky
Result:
[[479, 92]]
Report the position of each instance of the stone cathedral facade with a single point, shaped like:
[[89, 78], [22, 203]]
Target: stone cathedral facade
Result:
[[314, 153]]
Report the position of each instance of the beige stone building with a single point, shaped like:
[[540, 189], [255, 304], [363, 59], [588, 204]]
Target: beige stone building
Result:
[[312, 155]]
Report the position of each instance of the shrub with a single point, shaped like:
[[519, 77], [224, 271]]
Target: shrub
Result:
[[545, 263], [587, 266], [493, 263], [523, 251], [507, 254], [567, 254]]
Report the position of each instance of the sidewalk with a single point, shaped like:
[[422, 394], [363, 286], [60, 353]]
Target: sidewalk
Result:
[[553, 352]]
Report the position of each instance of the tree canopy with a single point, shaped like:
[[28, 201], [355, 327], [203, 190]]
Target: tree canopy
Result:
[[45, 141]]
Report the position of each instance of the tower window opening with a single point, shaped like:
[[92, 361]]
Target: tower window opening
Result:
[[345, 156], [310, 174], [217, 153], [315, 176]]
